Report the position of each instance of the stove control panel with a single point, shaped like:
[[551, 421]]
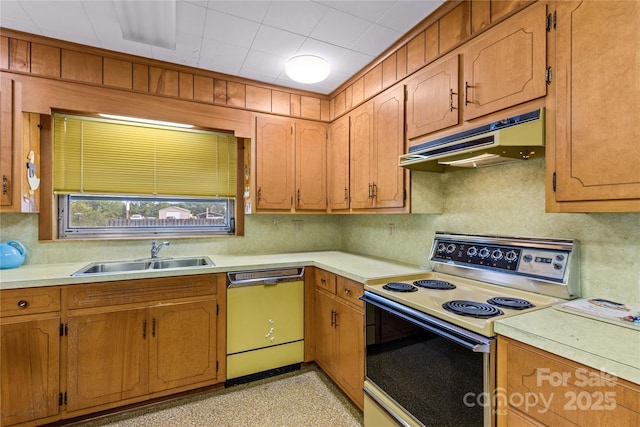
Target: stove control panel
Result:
[[547, 263]]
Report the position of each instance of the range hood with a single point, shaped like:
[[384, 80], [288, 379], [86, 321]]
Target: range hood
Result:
[[515, 138]]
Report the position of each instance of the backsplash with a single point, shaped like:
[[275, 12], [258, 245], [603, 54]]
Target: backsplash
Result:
[[510, 200], [506, 199]]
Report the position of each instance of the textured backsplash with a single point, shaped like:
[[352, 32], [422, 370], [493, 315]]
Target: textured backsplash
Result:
[[507, 199]]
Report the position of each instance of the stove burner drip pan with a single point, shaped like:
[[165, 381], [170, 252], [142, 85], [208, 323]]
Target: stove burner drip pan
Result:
[[512, 303], [472, 309], [434, 284], [399, 287]]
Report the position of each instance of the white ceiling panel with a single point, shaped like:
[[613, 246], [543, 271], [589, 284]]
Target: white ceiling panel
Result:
[[250, 39]]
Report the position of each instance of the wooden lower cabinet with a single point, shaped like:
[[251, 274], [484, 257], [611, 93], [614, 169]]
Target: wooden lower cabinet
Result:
[[29, 355], [537, 388], [163, 340], [339, 333]]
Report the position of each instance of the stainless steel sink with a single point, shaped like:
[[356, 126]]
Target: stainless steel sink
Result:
[[112, 267]]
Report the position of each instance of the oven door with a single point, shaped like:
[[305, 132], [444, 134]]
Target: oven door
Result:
[[421, 370]]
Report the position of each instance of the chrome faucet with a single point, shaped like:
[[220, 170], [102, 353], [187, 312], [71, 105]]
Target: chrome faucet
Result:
[[156, 248]]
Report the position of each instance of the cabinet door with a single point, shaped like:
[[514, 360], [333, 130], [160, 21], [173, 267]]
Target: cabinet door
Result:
[[325, 332], [388, 146], [433, 99], [338, 165], [30, 357], [6, 141], [107, 357], [506, 65], [361, 187], [311, 166], [598, 92], [182, 340], [274, 163], [350, 351]]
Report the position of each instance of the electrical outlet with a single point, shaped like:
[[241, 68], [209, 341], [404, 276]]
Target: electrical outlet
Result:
[[392, 229]]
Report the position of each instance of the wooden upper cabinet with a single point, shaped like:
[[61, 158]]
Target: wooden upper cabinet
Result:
[[377, 140], [506, 65], [6, 141], [388, 146], [597, 79], [311, 166], [433, 99], [274, 163], [338, 164], [361, 156]]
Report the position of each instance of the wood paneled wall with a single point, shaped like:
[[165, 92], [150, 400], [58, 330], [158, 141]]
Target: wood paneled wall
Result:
[[39, 56], [454, 23], [447, 28]]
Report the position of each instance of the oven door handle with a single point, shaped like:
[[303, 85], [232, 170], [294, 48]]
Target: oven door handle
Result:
[[467, 339]]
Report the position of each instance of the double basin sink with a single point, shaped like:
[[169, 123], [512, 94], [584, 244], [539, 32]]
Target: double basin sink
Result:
[[149, 264]]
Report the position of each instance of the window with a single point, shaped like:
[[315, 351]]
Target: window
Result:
[[116, 179]]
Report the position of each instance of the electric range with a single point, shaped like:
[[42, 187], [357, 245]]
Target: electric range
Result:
[[430, 336]]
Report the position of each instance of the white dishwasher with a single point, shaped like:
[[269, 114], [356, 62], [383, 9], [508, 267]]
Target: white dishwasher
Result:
[[265, 323]]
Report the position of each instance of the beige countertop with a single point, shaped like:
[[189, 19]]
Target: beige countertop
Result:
[[355, 267], [600, 345]]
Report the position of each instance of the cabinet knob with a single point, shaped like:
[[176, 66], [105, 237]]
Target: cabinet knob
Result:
[[23, 303], [347, 291]]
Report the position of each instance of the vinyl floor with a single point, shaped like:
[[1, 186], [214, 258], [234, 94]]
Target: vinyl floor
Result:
[[298, 399]]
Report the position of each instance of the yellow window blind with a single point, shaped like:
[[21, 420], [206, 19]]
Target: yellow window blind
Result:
[[102, 156]]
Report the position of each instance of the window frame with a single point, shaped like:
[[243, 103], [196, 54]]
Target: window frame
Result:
[[68, 232]]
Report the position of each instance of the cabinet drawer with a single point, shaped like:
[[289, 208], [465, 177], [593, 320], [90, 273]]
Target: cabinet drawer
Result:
[[350, 291], [326, 280], [14, 302], [139, 291]]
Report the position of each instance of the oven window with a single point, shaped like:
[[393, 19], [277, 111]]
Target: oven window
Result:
[[434, 379]]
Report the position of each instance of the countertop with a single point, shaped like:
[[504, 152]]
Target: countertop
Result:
[[600, 345], [355, 267]]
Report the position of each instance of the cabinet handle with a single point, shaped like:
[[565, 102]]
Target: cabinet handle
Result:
[[23, 303], [259, 193], [375, 191], [451, 93], [144, 329], [153, 327], [466, 94], [5, 185], [370, 191], [346, 193], [298, 196], [335, 319]]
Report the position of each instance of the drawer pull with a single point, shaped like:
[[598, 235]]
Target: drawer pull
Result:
[[23, 303], [347, 291]]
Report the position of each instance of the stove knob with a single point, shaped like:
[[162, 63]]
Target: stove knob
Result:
[[451, 248], [527, 258], [511, 256], [472, 251], [557, 266], [496, 255], [441, 247], [484, 253], [560, 257]]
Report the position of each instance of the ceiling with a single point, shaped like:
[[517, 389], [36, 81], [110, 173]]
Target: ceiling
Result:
[[249, 39]]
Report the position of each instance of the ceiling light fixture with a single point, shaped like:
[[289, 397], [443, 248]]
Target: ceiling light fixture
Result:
[[148, 22], [147, 121], [307, 69]]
